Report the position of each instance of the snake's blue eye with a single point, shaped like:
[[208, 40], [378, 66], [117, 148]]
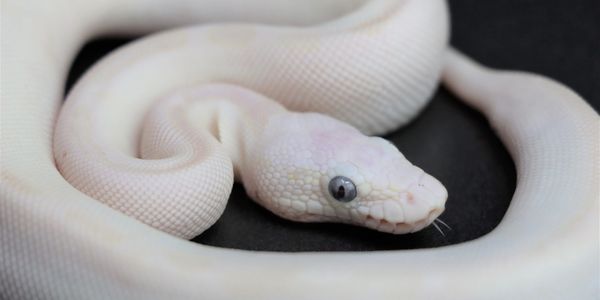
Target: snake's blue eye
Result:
[[342, 189]]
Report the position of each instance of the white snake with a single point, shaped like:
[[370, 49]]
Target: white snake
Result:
[[374, 66]]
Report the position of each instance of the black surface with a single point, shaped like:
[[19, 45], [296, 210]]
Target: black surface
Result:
[[559, 39]]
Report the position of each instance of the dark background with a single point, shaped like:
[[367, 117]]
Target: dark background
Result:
[[559, 39]]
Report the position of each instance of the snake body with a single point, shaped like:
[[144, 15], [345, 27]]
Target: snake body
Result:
[[160, 129]]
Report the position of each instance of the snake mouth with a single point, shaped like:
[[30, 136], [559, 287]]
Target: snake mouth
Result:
[[384, 225]]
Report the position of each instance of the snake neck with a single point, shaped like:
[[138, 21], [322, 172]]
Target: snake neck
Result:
[[234, 117]]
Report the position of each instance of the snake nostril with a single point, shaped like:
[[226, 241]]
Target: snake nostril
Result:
[[410, 199]]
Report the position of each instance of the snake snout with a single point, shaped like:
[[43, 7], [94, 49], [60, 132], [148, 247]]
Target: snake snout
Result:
[[427, 197], [412, 210], [427, 203], [430, 190]]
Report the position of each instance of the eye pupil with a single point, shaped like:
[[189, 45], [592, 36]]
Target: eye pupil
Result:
[[341, 192], [342, 189]]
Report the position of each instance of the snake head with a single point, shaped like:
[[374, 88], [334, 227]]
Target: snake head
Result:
[[313, 168]]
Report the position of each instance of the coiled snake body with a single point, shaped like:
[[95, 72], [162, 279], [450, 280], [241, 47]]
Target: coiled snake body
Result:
[[159, 130]]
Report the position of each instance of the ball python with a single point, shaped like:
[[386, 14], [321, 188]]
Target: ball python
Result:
[[270, 105]]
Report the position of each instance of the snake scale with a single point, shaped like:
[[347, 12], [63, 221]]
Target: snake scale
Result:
[[98, 196]]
